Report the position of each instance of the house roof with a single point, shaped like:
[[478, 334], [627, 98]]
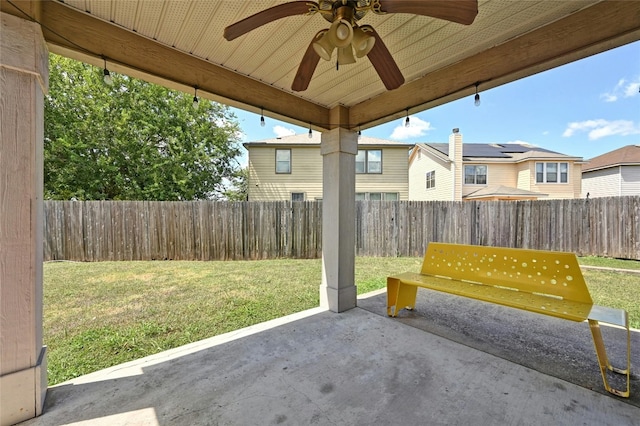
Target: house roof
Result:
[[502, 191], [512, 151], [626, 156], [314, 140]]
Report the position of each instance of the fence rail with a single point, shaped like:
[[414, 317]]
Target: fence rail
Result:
[[213, 230]]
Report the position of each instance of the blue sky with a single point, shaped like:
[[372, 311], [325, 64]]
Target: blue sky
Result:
[[584, 108]]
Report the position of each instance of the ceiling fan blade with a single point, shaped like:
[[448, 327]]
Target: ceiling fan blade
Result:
[[384, 64], [252, 22], [460, 11], [307, 68]]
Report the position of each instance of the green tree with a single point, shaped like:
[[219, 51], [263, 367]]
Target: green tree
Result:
[[239, 190], [133, 140]]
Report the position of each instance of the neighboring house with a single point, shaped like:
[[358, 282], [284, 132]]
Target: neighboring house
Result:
[[290, 168], [455, 171], [613, 174]]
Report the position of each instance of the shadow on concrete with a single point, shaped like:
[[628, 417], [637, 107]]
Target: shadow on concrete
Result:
[[556, 347], [353, 368]]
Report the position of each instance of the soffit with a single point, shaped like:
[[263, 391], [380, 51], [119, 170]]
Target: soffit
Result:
[[440, 60]]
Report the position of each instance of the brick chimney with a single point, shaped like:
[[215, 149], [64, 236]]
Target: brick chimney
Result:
[[455, 155]]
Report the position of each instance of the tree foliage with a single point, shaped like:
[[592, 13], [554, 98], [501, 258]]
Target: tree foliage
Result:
[[239, 190], [133, 140]]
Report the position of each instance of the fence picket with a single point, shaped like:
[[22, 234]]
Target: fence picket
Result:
[[213, 230]]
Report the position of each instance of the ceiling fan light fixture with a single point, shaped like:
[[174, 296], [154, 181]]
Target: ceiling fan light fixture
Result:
[[340, 33], [322, 45], [345, 56], [362, 42]]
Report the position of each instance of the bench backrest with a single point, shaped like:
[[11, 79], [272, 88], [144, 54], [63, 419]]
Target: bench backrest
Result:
[[534, 271]]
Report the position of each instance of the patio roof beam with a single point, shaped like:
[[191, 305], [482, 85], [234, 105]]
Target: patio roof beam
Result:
[[83, 37]]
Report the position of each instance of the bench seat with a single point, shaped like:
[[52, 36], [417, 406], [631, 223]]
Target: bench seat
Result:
[[548, 305], [545, 282]]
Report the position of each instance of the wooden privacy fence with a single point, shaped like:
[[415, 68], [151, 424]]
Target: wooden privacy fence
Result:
[[213, 230]]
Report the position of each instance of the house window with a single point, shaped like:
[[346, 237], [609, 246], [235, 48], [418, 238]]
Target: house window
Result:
[[431, 179], [297, 196], [475, 175], [377, 196], [369, 161], [552, 172], [283, 161]]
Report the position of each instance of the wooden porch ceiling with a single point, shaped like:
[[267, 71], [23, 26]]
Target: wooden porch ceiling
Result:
[[180, 44]]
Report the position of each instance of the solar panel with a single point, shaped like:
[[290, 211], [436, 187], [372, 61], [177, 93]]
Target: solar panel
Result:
[[482, 150], [486, 150]]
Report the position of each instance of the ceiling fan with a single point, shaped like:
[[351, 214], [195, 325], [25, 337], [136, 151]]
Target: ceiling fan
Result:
[[347, 37]]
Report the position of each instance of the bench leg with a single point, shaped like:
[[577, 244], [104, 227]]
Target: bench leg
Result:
[[603, 360], [399, 296]]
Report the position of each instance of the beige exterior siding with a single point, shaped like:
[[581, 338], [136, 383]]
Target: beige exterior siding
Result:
[[267, 185], [571, 189], [306, 170], [394, 176], [510, 171], [420, 166], [524, 176], [497, 174]]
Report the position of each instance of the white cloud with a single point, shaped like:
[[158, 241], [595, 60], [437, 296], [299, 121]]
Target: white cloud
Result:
[[623, 88], [632, 89], [417, 128], [282, 131], [600, 128]]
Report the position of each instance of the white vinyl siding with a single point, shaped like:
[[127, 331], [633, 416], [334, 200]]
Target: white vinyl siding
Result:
[[420, 165], [601, 183], [630, 184]]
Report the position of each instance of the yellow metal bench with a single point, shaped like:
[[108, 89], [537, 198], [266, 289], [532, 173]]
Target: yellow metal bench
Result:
[[545, 282]]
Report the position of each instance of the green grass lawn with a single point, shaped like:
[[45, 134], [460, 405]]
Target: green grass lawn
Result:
[[101, 314]]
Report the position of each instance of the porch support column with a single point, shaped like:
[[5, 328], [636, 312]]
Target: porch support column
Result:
[[339, 148], [23, 82]]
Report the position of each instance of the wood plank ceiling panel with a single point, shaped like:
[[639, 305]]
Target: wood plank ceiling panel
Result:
[[171, 22], [100, 9], [199, 19], [126, 12], [440, 61], [149, 14]]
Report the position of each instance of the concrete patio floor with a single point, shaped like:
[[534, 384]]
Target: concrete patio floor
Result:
[[362, 368]]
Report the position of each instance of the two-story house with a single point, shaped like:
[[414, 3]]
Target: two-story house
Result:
[[455, 171], [615, 173], [290, 168]]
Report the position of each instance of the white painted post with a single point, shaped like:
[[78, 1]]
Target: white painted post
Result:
[[24, 70], [338, 148]]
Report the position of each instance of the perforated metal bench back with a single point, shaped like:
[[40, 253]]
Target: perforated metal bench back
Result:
[[533, 271]]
